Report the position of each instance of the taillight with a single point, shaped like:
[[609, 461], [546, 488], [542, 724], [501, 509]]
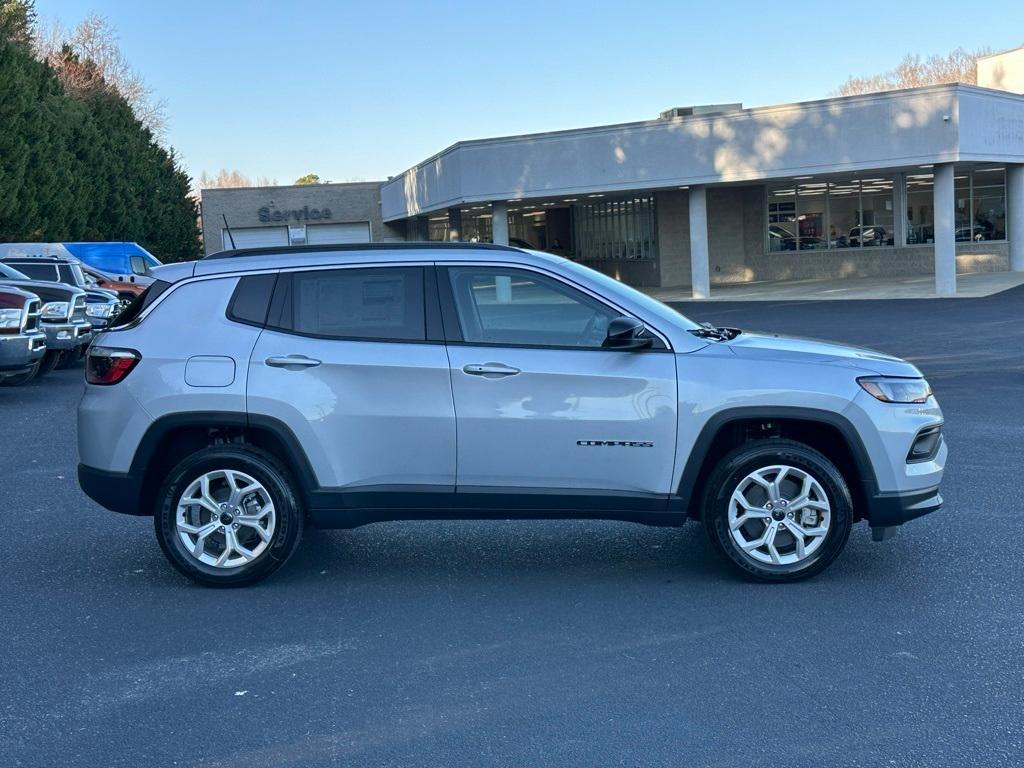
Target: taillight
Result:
[[106, 365]]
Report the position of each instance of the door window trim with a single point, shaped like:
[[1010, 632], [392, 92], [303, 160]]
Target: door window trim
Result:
[[453, 328]]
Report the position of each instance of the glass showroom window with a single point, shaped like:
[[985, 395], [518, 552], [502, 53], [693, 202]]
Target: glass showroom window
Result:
[[838, 214], [812, 203], [920, 209], [844, 210], [782, 219], [979, 204], [876, 211], [988, 202], [615, 229]]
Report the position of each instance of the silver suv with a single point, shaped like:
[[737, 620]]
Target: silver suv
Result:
[[252, 393]]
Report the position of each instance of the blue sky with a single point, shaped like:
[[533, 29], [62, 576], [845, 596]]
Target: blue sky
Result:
[[364, 90]]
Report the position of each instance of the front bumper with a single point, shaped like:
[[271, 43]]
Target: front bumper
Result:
[[69, 335], [887, 511], [19, 352]]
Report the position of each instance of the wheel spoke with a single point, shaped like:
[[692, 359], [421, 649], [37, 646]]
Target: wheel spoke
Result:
[[753, 514], [229, 546], [769, 543], [750, 546], [798, 537], [739, 498], [775, 487]]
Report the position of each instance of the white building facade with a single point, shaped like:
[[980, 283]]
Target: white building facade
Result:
[[920, 181]]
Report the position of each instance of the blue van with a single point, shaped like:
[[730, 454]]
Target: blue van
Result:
[[130, 261]]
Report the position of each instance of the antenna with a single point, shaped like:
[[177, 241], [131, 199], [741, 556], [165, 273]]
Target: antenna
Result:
[[228, 228]]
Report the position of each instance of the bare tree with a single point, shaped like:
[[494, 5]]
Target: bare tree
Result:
[[958, 66], [90, 56], [226, 178]]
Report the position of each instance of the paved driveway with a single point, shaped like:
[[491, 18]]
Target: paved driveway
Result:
[[535, 643]]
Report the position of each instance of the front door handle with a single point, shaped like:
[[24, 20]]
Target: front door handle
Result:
[[292, 362], [490, 370]]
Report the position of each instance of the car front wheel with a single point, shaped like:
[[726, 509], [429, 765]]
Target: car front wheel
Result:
[[228, 516], [778, 510]]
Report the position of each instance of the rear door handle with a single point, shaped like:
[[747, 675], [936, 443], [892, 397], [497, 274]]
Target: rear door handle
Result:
[[491, 370], [292, 362]]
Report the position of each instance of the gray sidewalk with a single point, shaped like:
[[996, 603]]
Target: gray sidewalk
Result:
[[969, 286]]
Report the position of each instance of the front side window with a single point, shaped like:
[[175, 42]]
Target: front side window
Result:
[[383, 304], [515, 307]]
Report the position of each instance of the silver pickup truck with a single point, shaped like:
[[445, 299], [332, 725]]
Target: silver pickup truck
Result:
[[62, 318], [22, 343]]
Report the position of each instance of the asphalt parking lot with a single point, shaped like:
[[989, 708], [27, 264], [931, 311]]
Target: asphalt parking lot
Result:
[[535, 643]]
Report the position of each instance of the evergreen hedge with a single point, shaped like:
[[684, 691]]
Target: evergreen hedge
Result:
[[82, 167]]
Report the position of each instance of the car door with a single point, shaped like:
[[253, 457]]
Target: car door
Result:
[[353, 361], [541, 407]]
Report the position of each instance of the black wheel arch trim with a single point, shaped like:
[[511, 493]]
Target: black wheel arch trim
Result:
[[690, 478], [124, 491]]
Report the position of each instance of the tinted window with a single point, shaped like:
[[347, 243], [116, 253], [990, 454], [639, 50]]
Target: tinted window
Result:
[[251, 299], [11, 273], [71, 274], [508, 306], [379, 303], [39, 271]]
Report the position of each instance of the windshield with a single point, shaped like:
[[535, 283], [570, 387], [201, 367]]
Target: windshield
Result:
[[12, 274], [616, 287]]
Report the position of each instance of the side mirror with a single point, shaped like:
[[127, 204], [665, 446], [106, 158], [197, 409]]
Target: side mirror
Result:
[[626, 333], [139, 265]]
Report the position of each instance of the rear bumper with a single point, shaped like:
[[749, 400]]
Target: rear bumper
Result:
[[117, 491], [886, 511]]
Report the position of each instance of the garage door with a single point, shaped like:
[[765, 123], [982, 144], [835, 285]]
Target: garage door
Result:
[[256, 237], [329, 234]]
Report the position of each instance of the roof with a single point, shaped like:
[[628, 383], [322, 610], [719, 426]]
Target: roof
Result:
[[890, 130], [259, 259]]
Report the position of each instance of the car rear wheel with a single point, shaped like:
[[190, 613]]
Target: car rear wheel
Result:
[[778, 510], [228, 516]]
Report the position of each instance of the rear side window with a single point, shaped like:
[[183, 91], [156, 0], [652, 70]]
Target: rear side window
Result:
[[382, 304], [39, 271], [139, 304], [251, 299]]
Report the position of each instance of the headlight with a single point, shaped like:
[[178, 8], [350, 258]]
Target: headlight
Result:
[[55, 310], [890, 389], [10, 320], [99, 310]]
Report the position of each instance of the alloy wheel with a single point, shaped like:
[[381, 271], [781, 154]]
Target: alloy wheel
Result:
[[225, 518], [779, 515]]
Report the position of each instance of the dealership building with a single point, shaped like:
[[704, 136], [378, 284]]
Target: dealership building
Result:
[[901, 183]]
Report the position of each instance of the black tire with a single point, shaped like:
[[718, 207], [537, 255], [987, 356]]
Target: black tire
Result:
[[69, 358], [748, 458], [22, 378], [261, 466], [49, 361]]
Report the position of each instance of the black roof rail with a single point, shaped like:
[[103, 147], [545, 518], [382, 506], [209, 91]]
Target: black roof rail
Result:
[[424, 246]]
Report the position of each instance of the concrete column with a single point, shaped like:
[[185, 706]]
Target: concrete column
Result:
[[1015, 215], [945, 231], [899, 214], [700, 266], [454, 225], [499, 222]]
